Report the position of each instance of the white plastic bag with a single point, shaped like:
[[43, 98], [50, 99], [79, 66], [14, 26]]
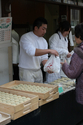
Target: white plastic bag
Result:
[[53, 64]]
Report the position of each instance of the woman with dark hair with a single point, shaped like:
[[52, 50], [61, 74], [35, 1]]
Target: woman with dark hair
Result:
[[75, 69], [59, 42]]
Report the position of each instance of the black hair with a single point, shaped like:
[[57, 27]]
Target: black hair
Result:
[[79, 31], [64, 26], [39, 21]]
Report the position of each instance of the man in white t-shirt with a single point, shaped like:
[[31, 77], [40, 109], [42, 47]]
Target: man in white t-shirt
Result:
[[34, 51]]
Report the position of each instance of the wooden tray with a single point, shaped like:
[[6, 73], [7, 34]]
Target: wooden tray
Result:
[[5, 118], [22, 108], [41, 95], [49, 99], [25, 111]]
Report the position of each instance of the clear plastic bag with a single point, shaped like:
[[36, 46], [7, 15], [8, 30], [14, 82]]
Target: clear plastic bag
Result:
[[53, 64]]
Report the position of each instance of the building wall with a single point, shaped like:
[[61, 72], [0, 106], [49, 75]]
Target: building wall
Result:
[[52, 15], [0, 9], [24, 12]]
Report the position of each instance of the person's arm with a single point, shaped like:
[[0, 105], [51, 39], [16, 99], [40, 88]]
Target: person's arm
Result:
[[27, 46], [68, 55], [44, 62], [74, 69], [32, 51], [40, 52]]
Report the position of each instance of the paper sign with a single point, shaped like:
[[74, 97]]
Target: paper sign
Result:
[[5, 29]]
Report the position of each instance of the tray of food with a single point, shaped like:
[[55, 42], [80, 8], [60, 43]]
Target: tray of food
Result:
[[17, 103], [40, 89], [49, 99], [66, 83]]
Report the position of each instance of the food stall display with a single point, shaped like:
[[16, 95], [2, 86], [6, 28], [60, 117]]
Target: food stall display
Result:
[[45, 92], [17, 103], [18, 98], [65, 83]]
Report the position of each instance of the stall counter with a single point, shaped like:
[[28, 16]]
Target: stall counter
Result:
[[62, 111]]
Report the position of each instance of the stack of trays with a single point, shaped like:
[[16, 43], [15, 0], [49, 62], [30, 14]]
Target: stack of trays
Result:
[[45, 92], [4, 118], [17, 103], [66, 83]]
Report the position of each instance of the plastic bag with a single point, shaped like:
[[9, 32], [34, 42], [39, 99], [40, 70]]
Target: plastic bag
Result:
[[53, 64]]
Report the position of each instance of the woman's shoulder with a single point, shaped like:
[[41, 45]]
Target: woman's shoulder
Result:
[[79, 51], [55, 35]]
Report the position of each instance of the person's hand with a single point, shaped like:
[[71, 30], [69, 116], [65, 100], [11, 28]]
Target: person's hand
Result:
[[50, 71], [54, 52], [63, 62], [68, 55]]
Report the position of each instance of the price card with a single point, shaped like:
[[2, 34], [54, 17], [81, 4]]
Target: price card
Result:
[[5, 29]]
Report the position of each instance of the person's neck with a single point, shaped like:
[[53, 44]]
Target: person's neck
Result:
[[79, 43], [35, 33]]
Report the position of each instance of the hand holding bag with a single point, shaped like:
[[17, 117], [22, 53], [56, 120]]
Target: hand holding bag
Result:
[[53, 64]]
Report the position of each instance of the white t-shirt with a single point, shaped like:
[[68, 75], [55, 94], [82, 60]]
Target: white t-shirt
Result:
[[59, 43], [28, 44]]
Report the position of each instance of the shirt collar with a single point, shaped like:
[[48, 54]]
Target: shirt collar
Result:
[[80, 44], [61, 35], [35, 35]]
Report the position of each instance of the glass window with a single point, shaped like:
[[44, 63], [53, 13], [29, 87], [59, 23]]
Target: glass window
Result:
[[74, 18], [75, 2], [70, 1], [80, 2], [65, 1]]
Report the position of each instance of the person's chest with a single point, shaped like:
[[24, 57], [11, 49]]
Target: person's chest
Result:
[[62, 43], [38, 43]]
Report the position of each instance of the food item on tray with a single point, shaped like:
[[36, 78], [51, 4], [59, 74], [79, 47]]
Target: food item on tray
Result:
[[32, 88], [12, 99], [65, 82]]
